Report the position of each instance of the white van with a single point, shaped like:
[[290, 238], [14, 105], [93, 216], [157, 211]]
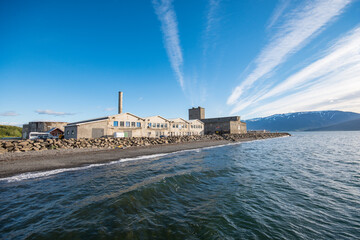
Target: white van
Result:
[[40, 135]]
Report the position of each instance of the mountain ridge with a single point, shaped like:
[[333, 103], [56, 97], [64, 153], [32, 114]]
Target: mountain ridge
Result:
[[301, 121]]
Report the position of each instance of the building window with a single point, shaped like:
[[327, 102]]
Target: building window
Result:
[[154, 125], [173, 125], [133, 124], [177, 125], [149, 125], [72, 132], [162, 125], [116, 123], [138, 124], [68, 132], [121, 123], [165, 125], [127, 124], [158, 125]]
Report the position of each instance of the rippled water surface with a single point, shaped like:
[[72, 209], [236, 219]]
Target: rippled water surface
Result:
[[302, 187]]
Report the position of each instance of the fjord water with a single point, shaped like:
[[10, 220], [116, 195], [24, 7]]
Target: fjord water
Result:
[[306, 186]]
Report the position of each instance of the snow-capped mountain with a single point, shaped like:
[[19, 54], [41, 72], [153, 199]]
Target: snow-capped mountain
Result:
[[300, 121]]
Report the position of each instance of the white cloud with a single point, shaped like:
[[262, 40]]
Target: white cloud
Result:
[[331, 91], [278, 12], [12, 124], [302, 25], [342, 55], [109, 109], [9, 114], [212, 20], [50, 112], [169, 26]]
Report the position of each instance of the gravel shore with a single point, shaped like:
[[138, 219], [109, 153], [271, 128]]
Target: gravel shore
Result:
[[21, 162], [16, 163]]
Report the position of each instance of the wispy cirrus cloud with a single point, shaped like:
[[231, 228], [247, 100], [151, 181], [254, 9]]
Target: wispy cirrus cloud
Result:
[[279, 10], [212, 20], [302, 25], [330, 93], [169, 27], [9, 114], [50, 112], [331, 82]]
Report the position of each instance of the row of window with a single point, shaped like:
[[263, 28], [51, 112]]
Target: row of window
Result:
[[152, 125], [157, 125], [126, 124]]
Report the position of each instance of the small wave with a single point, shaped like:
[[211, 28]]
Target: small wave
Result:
[[32, 175]]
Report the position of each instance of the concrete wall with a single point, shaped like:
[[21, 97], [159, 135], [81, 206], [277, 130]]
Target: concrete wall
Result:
[[86, 130], [231, 125], [196, 113], [41, 127], [70, 132], [243, 127], [25, 131], [237, 127], [217, 127]]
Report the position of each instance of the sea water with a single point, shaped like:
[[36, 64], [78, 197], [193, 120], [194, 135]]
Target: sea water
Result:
[[306, 186]]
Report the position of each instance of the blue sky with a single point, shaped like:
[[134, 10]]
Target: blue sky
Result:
[[67, 60]]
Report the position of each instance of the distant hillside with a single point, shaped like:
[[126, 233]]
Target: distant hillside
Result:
[[10, 131], [353, 125], [300, 121]]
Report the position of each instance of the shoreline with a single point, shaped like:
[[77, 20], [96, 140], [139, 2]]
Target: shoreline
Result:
[[29, 162]]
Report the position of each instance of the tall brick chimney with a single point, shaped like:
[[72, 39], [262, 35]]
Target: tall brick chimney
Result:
[[120, 102]]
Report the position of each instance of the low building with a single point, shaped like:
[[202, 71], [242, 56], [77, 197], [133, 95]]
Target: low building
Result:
[[179, 127], [196, 127], [124, 124], [156, 126], [222, 125], [218, 125], [41, 126], [129, 125], [55, 132]]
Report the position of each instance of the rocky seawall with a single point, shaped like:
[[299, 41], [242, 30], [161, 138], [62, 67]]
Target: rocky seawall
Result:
[[111, 143]]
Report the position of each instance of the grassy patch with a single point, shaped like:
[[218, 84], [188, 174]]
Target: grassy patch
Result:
[[10, 131]]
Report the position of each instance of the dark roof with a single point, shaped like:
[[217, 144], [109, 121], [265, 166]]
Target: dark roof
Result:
[[54, 129], [221, 119]]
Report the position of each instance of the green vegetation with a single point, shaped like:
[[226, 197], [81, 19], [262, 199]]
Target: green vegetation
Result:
[[10, 131]]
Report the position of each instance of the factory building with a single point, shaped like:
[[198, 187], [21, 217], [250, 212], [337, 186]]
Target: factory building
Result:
[[218, 125], [123, 124], [41, 126], [157, 126], [130, 125]]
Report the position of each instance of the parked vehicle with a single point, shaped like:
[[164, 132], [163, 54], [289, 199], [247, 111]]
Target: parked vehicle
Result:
[[40, 135]]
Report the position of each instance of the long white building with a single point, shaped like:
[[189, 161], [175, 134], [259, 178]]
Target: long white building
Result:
[[130, 125]]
